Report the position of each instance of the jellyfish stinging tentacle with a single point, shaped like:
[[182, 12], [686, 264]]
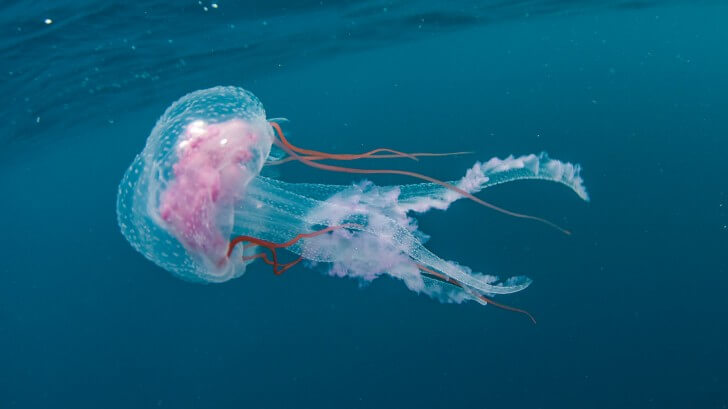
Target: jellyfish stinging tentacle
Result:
[[277, 267], [194, 202]]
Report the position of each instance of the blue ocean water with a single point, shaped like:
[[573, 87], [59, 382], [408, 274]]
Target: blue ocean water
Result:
[[630, 307]]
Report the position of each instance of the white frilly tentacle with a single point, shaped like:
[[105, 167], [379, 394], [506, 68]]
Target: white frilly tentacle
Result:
[[388, 241]]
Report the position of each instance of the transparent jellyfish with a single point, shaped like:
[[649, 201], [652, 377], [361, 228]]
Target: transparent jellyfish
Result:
[[194, 202]]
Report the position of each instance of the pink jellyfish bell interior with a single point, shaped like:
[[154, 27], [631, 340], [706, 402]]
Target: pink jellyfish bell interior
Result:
[[210, 175], [194, 202], [179, 194]]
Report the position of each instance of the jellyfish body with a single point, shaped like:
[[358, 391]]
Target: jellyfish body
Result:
[[196, 186]]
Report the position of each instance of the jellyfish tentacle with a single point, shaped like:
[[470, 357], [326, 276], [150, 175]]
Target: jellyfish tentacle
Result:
[[278, 268], [506, 307], [294, 240], [272, 207], [318, 155], [440, 276], [344, 156], [414, 155], [281, 207], [446, 185], [261, 256], [420, 197], [424, 196], [386, 222], [302, 151], [286, 266], [272, 246]]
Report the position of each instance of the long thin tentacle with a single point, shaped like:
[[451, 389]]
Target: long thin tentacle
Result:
[[273, 245], [279, 268], [414, 175], [366, 156], [483, 298], [346, 156]]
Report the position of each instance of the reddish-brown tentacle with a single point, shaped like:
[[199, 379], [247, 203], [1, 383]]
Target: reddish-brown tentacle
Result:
[[446, 185], [279, 268], [262, 256], [338, 156], [286, 266], [481, 296], [318, 155], [273, 245], [383, 156]]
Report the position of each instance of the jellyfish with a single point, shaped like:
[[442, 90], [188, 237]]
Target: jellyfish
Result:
[[195, 203]]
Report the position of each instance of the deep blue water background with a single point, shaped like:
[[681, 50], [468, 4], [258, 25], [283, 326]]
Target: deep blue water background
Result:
[[631, 307]]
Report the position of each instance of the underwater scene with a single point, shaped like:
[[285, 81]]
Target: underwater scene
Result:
[[364, 204]]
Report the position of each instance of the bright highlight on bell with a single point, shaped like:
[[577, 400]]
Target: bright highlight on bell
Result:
[[194, 202]]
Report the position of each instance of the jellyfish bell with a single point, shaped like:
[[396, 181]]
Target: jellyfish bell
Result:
[[176, 201], [194, 202]]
